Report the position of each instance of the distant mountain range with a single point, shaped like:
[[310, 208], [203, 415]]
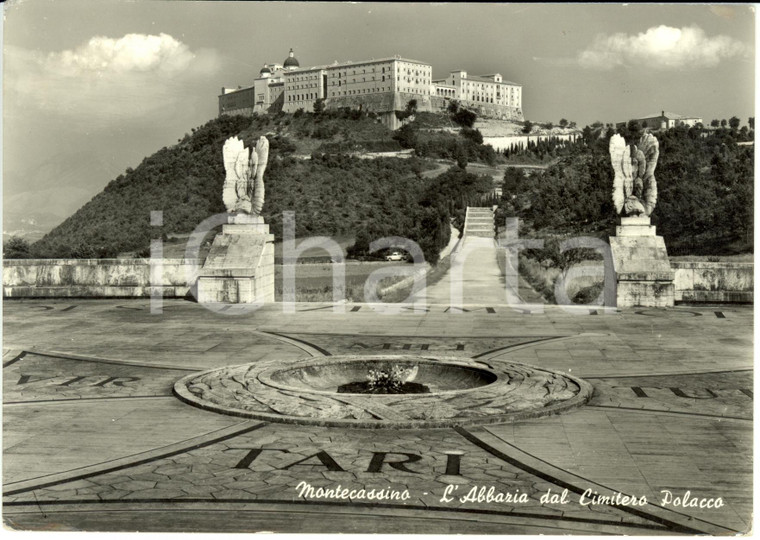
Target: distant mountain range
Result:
[[60, 189], [21, 219]]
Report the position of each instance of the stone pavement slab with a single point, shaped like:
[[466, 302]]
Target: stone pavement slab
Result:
[[94, 439]]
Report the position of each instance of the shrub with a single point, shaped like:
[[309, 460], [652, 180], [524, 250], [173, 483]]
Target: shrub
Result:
[[473, 135], [406, 136], [465, 118], [83, 250], [16, 248]]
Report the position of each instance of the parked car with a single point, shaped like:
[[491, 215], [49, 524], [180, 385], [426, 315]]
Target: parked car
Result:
[[395, 256]]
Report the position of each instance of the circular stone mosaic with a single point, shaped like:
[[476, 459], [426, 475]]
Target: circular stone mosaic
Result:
[[369, 391]]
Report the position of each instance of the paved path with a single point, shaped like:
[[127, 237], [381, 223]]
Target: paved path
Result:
[[475, 274], [94, 439]]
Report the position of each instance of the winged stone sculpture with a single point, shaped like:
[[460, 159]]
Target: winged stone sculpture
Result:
[[634, 191], [243, 190]]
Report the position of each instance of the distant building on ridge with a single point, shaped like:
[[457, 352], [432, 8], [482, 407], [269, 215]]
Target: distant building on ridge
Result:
[[664, 120], [491, 94], [381, 86]]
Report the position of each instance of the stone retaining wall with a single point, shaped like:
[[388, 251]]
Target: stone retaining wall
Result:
[[714, 282], [385, 104], [48, 278], [381, 102]]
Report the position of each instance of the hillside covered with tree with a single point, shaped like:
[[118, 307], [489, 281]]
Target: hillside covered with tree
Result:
[[705, 183], [331, 193]]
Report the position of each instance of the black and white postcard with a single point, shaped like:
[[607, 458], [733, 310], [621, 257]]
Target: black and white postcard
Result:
[[418, 268]]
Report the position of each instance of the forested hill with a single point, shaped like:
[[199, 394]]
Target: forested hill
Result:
[[705, 185], [330, 193]]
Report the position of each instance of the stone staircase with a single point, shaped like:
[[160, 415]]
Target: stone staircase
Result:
[[479, 222]]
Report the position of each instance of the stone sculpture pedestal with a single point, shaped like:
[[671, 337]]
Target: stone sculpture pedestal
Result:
[[239, 268], [642, 269]]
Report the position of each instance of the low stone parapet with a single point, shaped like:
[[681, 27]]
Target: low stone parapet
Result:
[[714, 281], [728, 282], [67, 278]]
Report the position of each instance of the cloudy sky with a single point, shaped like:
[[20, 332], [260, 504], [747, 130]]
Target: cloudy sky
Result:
[[92, 87]]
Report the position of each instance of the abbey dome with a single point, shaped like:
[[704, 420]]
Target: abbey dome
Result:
[[291, 62]]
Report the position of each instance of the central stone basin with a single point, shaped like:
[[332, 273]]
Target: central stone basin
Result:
[[349, 376], [331, 391]]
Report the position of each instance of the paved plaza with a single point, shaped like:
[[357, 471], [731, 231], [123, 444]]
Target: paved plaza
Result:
[[94, 438]]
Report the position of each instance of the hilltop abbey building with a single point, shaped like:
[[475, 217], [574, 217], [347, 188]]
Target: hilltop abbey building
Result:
[[381, 86]]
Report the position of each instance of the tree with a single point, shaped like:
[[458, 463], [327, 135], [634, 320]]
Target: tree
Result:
[[453, 106], [723, 123], [409, 110], [527, 126], [319, 106], [473, 134], [406, 136], [298, 113], [411, 107], [587, 135], [715, 122], [563, 123], [16, 248], [751, 122], [631, 131], [465, 118], [512, 179], [83, 250], [361, 245], [461, 157], [734, 122]]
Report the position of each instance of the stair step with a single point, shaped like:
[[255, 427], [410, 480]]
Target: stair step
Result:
[[479, 221]]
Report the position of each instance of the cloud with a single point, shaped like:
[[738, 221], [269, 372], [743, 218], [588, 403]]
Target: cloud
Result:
[[662, 47], [131, 53], [106, 78]]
